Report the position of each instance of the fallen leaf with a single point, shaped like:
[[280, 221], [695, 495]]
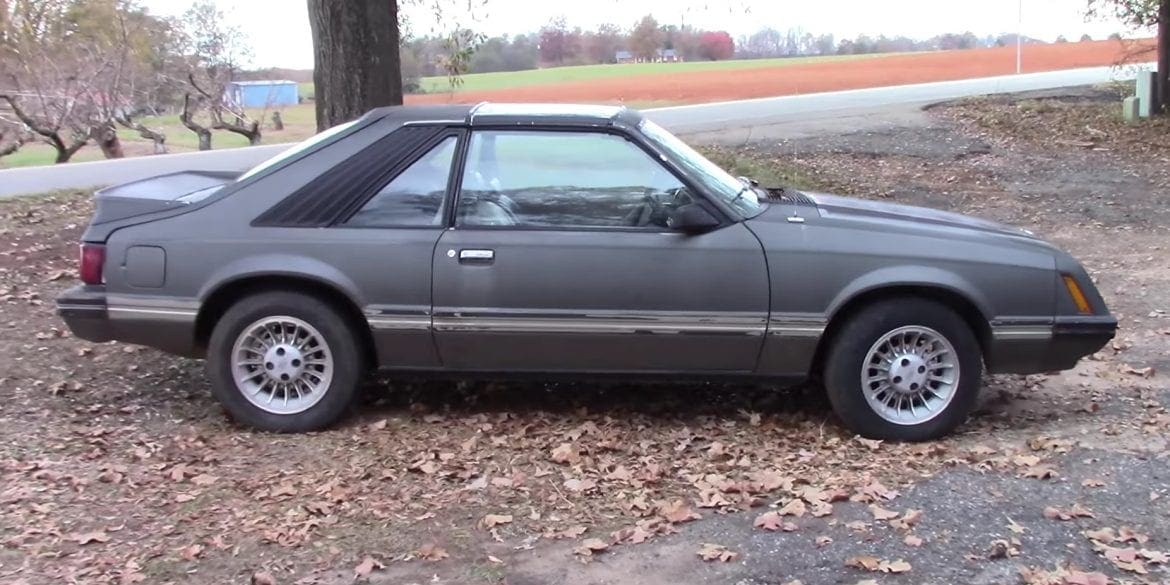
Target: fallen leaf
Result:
[[192, 552], [1102, 535], [566, 453], [261, 578], [591, 546], [1126, 559], [1076, 511], [367, 566], [864, 562], [794, 507], [84, 538], [870, 444], [432, 552], [823, 541], [1002, 549], [579, 485], [1093, 482], [1146, 372], [204, 480], [378, 425], [1082, 578], [1040, 472], [1127, 534], [620, 473], [880, 513], [1155, 557], [677, 512], [493, 520], [898, 566], [571, 532], [912, 540], [716, 552], [773, 521]]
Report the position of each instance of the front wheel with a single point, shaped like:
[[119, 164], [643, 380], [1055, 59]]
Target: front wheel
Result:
[[904, 369], [284, 362]]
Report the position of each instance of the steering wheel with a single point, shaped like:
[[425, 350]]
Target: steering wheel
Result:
[[652, 212]]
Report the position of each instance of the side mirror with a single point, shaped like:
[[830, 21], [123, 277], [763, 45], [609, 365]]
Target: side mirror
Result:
[[692, 219]]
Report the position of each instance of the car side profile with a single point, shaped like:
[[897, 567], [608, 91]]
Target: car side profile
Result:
[[500, 239]]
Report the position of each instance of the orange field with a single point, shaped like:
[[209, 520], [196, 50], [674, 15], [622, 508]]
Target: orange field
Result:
[[709, 86]]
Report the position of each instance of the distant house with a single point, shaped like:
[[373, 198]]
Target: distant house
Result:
[[263, 94], [661, 56], [667, 56]]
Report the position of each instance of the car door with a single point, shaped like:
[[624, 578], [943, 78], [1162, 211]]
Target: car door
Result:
[[387, 246], [559, 259]]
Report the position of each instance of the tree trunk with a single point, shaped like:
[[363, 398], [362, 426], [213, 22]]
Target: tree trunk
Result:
[[188, 120], [245, 128], [277, 121], [10, 148], [1163, 88], [106, 137], [356, 61], [158, 138]]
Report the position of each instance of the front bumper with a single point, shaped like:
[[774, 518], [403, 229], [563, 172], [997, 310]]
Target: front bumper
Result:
[[84, 310], [1064, 343]]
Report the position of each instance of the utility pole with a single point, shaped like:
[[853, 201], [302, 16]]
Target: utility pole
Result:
[[1020, 37], [1163, 86]]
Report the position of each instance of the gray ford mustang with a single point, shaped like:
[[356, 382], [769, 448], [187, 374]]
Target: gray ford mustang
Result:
[[565, 240]]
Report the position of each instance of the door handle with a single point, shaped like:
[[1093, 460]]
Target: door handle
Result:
[[476, 256]]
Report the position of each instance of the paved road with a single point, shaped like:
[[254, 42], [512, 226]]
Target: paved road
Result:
[[800, 110]]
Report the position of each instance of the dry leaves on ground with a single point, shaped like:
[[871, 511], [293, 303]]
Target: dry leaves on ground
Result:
[[716, 552]]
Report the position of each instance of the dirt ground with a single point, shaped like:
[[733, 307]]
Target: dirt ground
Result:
[[710, 86], [117, 467]]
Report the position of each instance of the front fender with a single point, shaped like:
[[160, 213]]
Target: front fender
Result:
[[910, 276]]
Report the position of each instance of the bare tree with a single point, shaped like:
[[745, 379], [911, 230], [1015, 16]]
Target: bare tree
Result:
[[188, 120], [217, 51], [71, 70], [12, 135]]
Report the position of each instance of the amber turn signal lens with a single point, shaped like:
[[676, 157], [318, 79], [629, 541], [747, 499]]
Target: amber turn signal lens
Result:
[[1078, 296]]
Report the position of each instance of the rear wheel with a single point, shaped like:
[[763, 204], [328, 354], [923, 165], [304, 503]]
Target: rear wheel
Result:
[[904, 369], [285, 362]]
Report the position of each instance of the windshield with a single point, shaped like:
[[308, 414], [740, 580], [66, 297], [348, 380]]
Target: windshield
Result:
[[715, 180], [297, 149]]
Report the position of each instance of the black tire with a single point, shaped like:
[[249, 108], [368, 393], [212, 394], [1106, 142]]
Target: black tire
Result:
[[347, 352], [851, 344]]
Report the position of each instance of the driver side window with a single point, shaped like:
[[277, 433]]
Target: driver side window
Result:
[[564, 179]]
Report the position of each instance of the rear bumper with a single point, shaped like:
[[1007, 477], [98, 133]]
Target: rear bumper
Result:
[[85, 312], [94, 315], [1054, 347]]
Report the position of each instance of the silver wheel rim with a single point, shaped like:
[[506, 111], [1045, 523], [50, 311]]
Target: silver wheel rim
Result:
[[282, 365], [910, 375]]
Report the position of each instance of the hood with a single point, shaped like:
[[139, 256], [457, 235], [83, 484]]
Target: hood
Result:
[[852, 208], [886, 215]]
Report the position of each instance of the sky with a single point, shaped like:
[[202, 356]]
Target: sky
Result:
[[279, 29]]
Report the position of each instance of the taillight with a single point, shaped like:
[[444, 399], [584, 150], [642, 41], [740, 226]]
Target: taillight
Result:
[[93, 259]]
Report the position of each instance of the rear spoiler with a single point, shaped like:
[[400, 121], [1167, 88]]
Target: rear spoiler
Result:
[[156, 194]]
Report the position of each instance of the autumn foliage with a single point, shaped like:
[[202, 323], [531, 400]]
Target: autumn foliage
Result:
[[716, 45]]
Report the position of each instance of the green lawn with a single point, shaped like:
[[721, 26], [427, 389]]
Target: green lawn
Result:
[[507, 79], [300, 122], [504, 80]]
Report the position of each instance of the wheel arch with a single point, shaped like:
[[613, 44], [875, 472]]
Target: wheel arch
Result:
[[217, 300], [954, 293]]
